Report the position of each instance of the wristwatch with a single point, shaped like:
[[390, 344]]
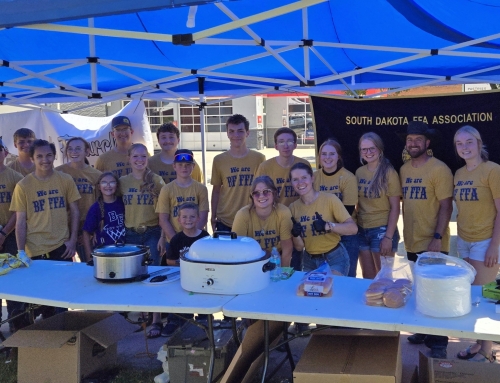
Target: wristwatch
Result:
[[438, 236]]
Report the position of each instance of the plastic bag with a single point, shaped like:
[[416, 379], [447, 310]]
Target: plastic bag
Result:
[[317, 283], [9, 262], [443, 285], [392, 285]]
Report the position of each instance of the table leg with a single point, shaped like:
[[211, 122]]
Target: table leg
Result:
[[212, 347], [287, 345], [266, 350], [235, 332]]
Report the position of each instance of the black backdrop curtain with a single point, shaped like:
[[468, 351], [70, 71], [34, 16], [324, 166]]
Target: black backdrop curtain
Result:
[[347, 120]]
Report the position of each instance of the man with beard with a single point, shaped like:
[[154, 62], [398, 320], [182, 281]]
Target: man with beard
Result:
[[427, 185]]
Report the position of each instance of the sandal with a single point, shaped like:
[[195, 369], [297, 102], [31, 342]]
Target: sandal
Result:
[[484, 358], [154, 331], [467, 354]]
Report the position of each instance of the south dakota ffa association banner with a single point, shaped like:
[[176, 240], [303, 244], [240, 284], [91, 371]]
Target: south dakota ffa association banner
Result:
[[347, 120]]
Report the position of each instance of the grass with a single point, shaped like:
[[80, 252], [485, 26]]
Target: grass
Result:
[[8, 373]]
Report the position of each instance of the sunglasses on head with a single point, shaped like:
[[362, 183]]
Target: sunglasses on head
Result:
[[258, 193], [183, 157]]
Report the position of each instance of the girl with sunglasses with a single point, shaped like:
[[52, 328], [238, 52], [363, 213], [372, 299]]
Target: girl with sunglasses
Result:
[[105, 222], [140, 190], [266, 220], [379, 193], [319, 221], [85, 176]]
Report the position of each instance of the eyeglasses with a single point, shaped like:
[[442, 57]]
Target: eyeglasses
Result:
[[258, 193], [105, 183], [366, 150], [183, 157], [285, 143]]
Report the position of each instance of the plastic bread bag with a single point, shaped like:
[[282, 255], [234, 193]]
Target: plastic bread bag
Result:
[[317, 283], [443, 285], [392, 285]]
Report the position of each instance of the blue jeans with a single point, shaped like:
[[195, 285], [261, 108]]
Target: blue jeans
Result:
[[149, 238], [369, 239], [351, 244], [337, 259]]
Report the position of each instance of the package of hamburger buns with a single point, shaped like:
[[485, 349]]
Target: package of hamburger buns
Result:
[[392, 285], [317, 283]]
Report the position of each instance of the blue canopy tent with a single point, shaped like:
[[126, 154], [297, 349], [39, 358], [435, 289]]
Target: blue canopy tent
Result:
[[244, 47]]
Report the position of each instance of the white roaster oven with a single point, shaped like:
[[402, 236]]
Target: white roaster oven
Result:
[[225, 264]]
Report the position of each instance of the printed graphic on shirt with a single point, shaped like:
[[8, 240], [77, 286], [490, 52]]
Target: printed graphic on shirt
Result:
[[115, 227], [465, 191], [413, 190]]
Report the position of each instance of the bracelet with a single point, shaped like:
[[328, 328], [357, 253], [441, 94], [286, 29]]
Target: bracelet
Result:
[[3, 233], [385, 236]]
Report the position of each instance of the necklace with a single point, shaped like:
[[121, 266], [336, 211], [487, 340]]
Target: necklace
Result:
[[263, 228]]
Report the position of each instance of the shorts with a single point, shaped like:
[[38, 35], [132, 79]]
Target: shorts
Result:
[[369, 239], [473, 250]]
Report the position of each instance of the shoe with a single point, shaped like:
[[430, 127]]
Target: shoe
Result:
[[466, 354], [482, 357], [416, 338], [169, 329], [155, 331], [438, 353]]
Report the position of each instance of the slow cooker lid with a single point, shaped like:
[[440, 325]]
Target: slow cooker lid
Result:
[[119, 250], [225, 248]]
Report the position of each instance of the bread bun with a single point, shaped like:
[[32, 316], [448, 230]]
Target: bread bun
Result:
[[393, 298]]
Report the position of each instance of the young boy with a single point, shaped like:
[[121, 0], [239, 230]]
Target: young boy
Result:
[[183, 189], [278, 168], [163, 163], [116, 159], [23, 138], [232, 174], [180, 243]]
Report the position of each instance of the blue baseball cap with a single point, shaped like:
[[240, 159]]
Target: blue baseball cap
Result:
[[119, 121]]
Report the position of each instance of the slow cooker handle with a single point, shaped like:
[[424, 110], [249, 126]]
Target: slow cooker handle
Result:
[[268, 266], [231, 233]]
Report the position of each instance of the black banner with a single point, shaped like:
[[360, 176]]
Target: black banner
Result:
[[347, 120]]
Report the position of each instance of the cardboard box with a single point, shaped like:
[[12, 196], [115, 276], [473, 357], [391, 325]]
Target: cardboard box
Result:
[[189, 353], [68, 347], [456, 371], [350, 356]]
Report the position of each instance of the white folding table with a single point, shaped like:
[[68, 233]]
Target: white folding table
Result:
[[72, 285], [279, 302]]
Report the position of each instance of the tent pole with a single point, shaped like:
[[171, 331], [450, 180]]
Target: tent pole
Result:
[[92, 53], [201, 91]]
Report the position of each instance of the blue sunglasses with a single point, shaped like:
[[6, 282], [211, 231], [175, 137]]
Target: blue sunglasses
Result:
[[183, 157]]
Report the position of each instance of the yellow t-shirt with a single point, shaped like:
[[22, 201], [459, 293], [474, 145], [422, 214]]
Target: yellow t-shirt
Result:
[[140, 207], [343, 184], [85, 180], [8, 181], [331, 210], [173, 195], [45, 203], [374, 212], [474, 195], [115, 162], [235, 176], [167, 172], [423, 188], [16, 165], [281, 178], [269, 233]]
